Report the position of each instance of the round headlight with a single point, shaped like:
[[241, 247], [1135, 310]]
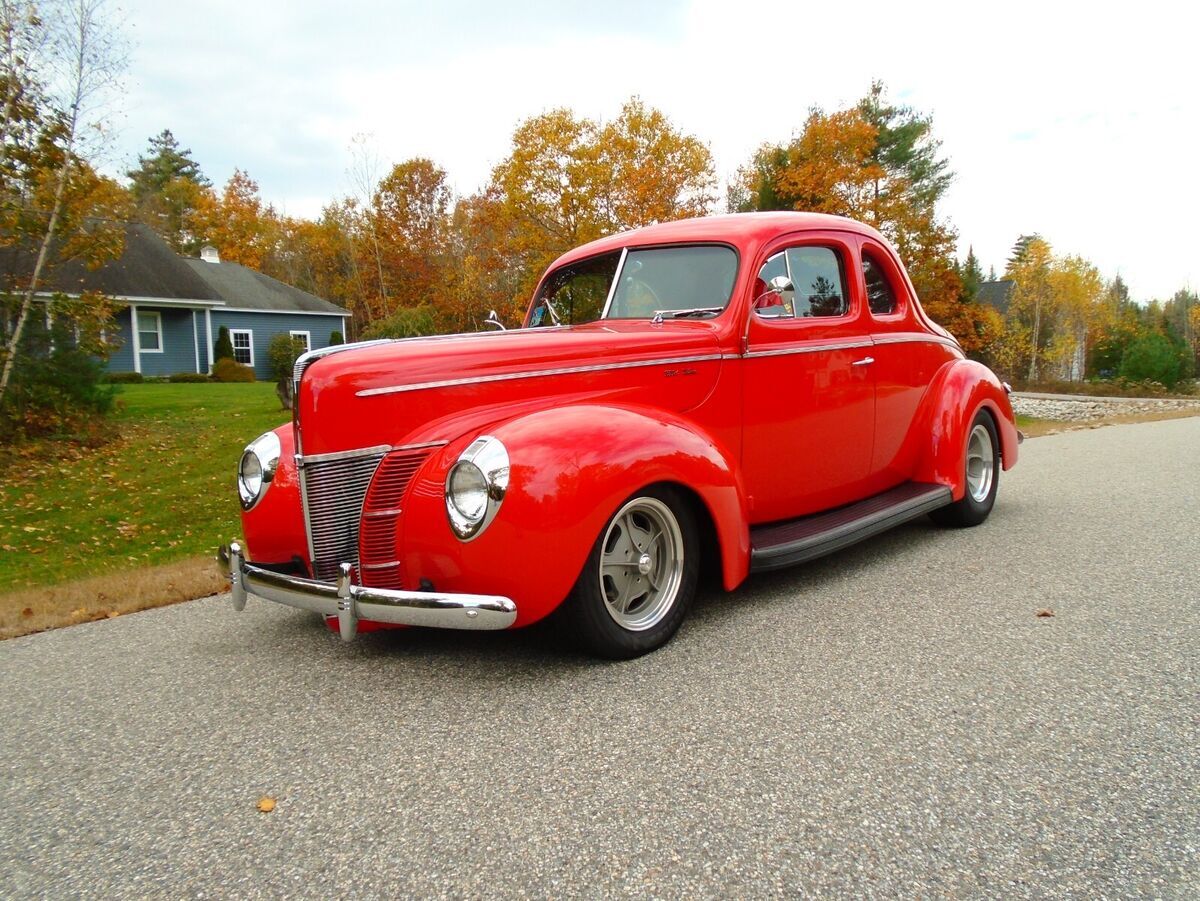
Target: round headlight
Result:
[[468, 491], [257, 468], [475, 486], [250, 475]]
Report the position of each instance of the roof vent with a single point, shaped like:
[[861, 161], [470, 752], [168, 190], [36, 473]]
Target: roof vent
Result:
[[209, 254]]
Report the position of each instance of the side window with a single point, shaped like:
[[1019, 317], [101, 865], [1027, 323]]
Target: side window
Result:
[[819, 280], [880, 296]]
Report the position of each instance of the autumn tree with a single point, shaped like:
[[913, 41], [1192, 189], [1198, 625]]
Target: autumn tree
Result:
[[653, 171], [879, 163], [1032, 307], [569, 180], [237, 222], [166, 186], [1081, 314], [1123, 326], [410, 212], [53, 204]]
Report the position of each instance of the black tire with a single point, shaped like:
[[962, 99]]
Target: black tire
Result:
[[591, 613], [972, 509]]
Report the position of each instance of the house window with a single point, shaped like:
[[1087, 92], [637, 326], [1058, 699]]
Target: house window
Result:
[[243, 345], [149, 326], [306, 337]]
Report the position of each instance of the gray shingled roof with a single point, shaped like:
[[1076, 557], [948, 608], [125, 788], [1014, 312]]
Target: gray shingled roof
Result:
[[148, 267], [997, 294], [241, 287]]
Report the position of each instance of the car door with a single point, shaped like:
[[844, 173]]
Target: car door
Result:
[[809, 404], [907, 357]]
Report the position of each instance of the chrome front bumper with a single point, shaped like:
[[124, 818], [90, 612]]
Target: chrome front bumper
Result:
[[351, 603]]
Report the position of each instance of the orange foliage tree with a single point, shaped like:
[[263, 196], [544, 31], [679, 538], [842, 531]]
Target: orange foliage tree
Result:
[[569, 180], [877, 163]]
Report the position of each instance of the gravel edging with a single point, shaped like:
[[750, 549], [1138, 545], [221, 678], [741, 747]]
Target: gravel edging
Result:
[[1095, 409]]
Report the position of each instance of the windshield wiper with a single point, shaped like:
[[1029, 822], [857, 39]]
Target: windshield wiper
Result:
[[693, 313]]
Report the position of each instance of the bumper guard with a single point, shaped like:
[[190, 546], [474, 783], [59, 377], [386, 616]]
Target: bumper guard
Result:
[[351, 603]]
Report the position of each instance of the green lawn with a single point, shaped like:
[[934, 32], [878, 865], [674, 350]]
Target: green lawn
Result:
[[163, 491]]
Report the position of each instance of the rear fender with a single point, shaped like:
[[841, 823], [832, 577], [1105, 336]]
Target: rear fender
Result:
[[959, 391], [570, 469]]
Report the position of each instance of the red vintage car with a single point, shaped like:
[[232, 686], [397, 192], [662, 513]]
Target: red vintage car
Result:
[[746, 391]]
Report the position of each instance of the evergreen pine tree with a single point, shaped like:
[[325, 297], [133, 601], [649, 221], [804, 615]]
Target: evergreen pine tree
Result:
[[165, 186]]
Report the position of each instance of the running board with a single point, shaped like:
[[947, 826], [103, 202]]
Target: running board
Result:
[[799, 540]]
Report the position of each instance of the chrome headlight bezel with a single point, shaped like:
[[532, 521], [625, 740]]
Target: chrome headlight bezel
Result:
[[256, 469], [485, 460]]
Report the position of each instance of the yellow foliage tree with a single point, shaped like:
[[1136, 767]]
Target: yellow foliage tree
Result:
[[568, 181]]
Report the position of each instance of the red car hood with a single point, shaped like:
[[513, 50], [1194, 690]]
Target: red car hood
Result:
[[411, 390]]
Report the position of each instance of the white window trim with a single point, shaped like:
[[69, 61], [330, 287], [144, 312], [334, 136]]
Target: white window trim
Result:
[[249, 333], [158, 322], [307, 338]]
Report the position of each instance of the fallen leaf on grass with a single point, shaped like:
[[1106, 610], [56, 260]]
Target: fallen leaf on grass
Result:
[[27, 612], [265, 804], [1045, 612]]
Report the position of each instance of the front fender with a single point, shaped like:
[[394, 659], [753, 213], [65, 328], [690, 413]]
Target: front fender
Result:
[[274, 527], [570, 469], [959, 391]]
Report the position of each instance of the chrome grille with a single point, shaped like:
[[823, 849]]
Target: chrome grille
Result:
[[381, 517], [333, 499]]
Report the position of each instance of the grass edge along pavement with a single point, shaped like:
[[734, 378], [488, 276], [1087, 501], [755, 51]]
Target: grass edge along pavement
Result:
[[206, 424], [87, 532]]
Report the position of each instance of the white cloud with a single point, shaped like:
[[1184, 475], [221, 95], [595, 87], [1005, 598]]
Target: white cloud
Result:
[[1078, 122]]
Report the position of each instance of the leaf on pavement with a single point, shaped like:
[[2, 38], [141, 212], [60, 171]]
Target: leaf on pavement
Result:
[[1045, 611], [266, 804]]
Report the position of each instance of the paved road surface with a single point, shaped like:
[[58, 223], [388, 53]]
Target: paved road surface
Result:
[[893, 720]]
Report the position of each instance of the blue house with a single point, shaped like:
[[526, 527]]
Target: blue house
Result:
[[172, 308]]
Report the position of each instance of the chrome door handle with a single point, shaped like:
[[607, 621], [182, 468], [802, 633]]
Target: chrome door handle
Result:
[[865, 361]]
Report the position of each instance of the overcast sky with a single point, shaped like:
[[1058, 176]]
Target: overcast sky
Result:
[[1077, 121]]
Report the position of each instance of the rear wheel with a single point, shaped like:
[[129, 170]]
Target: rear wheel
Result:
[[639, 578], [981, 477]]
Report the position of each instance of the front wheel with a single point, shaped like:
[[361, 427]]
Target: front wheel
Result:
[[981, 477], [639, 579]]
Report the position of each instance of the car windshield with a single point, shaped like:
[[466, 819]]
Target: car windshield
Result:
[[692, 282]]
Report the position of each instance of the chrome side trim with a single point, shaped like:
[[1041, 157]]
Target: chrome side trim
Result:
[[351, 603], [308, 358], [809, 348], [916, 338], [513, 376]]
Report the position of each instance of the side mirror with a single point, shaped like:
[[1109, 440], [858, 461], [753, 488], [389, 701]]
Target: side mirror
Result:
[[494, 321], [782, 285], [777, 300]]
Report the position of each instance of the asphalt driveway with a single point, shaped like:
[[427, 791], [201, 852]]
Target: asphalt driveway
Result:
[[892, 720]]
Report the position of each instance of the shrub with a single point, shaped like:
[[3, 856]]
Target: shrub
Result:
[[282, 352], [227, 369], [335, 337], [56, 390], [124, 378], [1153, 358], [188, 377], [223, 349], [406, 322]]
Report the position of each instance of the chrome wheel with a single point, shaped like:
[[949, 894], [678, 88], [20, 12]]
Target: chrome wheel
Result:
[[641, 564], [981, 463]]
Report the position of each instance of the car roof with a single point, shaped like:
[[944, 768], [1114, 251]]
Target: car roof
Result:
[[739, 229]]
